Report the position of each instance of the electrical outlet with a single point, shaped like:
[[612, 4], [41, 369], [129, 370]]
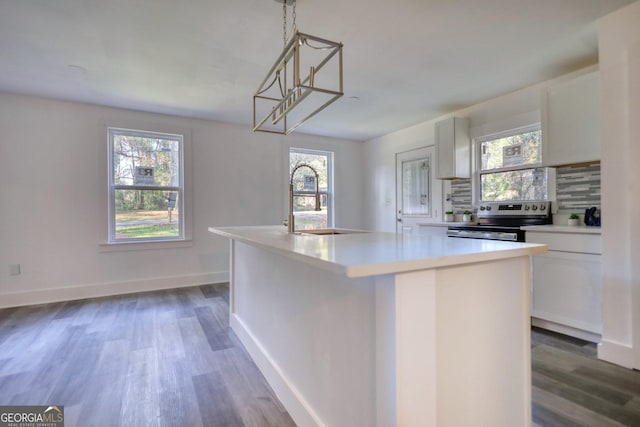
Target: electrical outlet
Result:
[[14, 269]]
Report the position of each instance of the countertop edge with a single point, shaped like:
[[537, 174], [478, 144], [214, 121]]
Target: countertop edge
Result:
[[332, 266], [392, 267], [367, 270]]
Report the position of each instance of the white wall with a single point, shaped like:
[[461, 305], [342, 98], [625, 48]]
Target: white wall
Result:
[[380, 174], [516, 109], [619, 38], [53, 198]]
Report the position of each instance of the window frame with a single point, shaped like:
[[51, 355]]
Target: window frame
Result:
[[112, 131], [329, 193], [479, 172]]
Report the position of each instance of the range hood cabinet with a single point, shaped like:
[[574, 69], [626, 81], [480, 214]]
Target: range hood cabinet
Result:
[[453, 148]]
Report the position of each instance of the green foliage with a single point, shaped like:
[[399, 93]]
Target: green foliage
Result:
[[304, 205], [147, 230], [311, 220], [574, 216], [493, 150], [147, 200], [135, 151], [524, 184], [317, 162]]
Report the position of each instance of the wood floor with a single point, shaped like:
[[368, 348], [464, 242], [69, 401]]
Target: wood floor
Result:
[[168, 358], [164, 358], [571, 387]]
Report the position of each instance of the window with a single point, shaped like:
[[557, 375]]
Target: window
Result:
[[509, 166], [415, 187], [146, 186], [306, 217]]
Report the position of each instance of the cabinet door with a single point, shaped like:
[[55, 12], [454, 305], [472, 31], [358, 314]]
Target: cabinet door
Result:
[[445, 148], [570, 121], [453, 148], [567, 289], [568, 242]]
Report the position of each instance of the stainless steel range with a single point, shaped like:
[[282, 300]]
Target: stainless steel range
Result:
[[502, 220]]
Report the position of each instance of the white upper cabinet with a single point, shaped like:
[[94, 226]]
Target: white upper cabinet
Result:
[[453, 148], [571, 121]]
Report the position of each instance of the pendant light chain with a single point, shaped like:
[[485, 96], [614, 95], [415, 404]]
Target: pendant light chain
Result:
[[284, 23], [294, 28]]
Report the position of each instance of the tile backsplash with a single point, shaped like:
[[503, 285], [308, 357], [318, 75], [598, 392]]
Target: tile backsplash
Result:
[[461, 195], [578, 188]]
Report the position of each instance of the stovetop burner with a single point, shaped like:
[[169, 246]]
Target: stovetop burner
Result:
[[502, 220]]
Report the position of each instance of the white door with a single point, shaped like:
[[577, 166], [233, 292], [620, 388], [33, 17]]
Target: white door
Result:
[[415, 175]]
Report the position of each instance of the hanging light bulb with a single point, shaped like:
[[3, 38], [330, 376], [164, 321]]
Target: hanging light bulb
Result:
[[290, 95]]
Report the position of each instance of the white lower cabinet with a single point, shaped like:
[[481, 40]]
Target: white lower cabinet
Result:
[[567, 285], [567, 289]]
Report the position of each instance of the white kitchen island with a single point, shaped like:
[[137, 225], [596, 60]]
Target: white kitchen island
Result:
[[380, 329]]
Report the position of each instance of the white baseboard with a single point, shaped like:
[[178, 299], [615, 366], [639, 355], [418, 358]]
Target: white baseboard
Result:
[[43, 296], [615, 352], [566, 330], [297, 406]]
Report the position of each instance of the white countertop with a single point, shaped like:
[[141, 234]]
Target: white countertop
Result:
[[372, 254], [579, 229]]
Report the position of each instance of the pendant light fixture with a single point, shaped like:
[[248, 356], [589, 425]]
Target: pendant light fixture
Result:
[[304, 80]]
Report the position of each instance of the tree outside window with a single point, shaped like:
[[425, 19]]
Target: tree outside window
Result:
[[508, 168], [304, 188], [145, 186]]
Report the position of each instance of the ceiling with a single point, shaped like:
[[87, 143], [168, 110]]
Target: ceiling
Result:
[[406, 60]]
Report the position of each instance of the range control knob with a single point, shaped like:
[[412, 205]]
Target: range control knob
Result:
[[481, 208], [527, 207], [543, 207], [534, 207], [488, 208]]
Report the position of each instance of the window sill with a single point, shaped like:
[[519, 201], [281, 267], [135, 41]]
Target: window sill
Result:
[[142, 246]]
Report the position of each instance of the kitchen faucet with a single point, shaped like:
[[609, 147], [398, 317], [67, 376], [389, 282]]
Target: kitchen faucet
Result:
[[291, 222]]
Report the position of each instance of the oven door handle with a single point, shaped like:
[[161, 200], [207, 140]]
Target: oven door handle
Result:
[[489, 235]]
